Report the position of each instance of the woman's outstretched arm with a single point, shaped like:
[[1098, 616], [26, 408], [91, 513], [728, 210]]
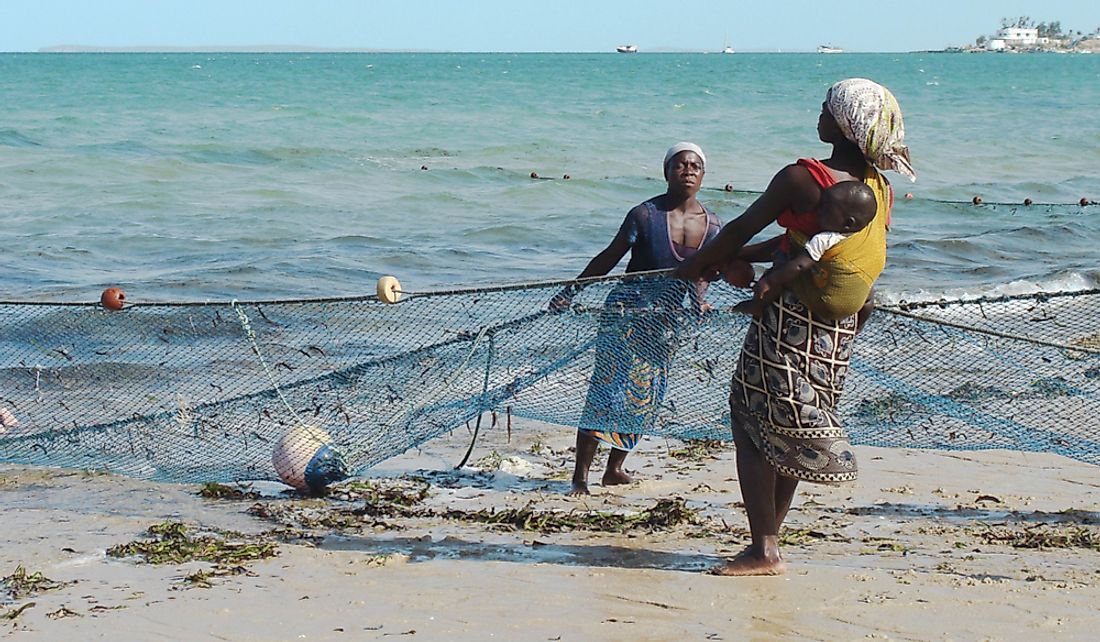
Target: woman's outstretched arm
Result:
[[600, 264], [791, 188]]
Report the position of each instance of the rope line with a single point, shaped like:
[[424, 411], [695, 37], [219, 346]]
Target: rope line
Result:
[[996, 333], [251, 336], [1084, 202]]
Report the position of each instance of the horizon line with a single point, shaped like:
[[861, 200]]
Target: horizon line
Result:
[[317, 49]]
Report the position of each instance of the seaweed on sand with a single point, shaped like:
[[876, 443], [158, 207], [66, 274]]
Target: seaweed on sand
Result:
[[17, 611], [664, 515], [380, 498], [403, 498], [699, 449], [1040, 536], [805, 536], [21, 584], [405, 493], [172, 544], [314, 517], [214, 490]]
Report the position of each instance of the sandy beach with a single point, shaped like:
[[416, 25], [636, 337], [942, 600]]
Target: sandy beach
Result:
[[927, 545]]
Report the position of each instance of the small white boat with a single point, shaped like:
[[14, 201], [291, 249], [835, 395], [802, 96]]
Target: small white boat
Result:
[[829, 49], [727, 49], [626, 49]]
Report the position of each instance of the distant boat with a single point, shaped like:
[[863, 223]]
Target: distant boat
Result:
[[626, 49], [727, 49], [829, 49]]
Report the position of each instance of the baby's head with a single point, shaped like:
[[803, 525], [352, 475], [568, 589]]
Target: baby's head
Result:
[[846, 207]]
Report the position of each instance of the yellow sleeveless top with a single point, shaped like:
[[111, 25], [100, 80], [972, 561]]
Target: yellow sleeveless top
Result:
[[839, 284]]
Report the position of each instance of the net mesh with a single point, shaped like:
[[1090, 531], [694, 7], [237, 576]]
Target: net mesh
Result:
[[204, 392]]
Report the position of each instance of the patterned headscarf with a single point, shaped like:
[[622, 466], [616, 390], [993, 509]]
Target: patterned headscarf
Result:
[[869, 116]]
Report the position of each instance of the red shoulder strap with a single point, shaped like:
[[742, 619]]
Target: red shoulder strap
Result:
[[805, 222], [818, 170]]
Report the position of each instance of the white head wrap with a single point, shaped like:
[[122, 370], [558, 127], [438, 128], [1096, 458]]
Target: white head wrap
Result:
[[869, 116], [684, 146]]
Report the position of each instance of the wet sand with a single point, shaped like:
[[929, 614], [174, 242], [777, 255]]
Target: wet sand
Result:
[[927, 545]]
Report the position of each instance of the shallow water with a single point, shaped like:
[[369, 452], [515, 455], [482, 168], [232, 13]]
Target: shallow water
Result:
[[199, 176]]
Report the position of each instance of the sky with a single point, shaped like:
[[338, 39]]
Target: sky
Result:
[[523, 25]]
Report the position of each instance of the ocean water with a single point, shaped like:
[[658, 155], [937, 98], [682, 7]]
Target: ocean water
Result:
[[184, 177]]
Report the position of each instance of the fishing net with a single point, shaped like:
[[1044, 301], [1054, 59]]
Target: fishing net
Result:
[[204, 392]]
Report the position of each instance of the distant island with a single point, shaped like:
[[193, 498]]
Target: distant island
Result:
[[1022, 34]]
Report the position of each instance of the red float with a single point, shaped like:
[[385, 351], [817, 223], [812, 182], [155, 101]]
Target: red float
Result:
[[112, 299]]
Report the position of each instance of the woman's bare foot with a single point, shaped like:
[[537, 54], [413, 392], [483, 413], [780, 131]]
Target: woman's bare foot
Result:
[[749, 562], [579, 489], [586, 451], [616, 478]]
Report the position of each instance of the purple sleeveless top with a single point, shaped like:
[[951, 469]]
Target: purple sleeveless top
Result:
[[651, 247]]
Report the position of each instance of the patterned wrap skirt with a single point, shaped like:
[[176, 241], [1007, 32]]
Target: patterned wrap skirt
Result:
[[786, 387], [635, 343]]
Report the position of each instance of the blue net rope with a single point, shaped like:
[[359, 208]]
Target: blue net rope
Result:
[[204, 392]]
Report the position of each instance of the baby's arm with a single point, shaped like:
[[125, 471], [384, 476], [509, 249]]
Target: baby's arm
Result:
[[738, 271], [772, 284], [774, 280]]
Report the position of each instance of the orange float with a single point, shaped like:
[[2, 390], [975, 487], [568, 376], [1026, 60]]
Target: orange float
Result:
[[112, 299]]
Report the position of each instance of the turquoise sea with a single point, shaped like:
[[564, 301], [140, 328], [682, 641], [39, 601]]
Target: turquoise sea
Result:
[[195, 176]]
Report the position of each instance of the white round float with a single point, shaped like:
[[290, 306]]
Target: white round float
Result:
[[389, 289], [305, 458]]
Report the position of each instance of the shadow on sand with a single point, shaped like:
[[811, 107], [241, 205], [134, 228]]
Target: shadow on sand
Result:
[[424, 549]]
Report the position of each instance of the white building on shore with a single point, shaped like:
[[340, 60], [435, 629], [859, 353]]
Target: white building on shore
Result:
[[1018, 37]]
